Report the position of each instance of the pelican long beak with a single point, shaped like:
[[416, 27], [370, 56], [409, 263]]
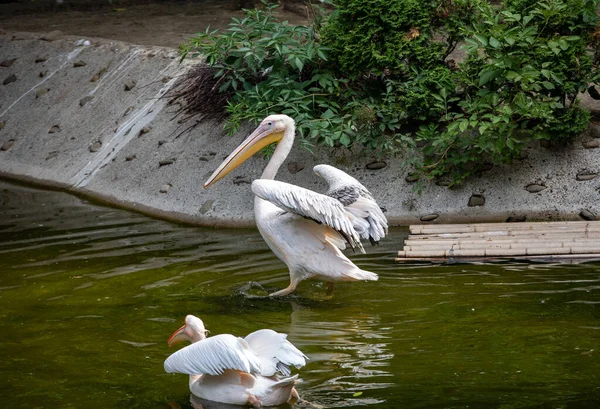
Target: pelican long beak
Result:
[[262, 136], [178, 336]]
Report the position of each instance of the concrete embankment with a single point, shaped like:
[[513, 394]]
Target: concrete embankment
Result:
[[88, 117]]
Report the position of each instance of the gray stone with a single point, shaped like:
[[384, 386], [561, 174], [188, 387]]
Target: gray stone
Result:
[[129, 85], [516, 219], [54, 129], [594, 130], [593, 144], [85, 100], [535, 188], [587, 215], [145, 130], [242, 180], [295, 167], [9, 79], [411, 178], [165, 188], [7, 145], [206, 206], [429, 217], [96, 146], [41, 92], [166, 162], [7, 63], [476, 200], [376, 165], [586, 175], [53, 36]]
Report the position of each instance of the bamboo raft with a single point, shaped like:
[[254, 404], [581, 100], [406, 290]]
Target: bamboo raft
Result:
[[541, 241]]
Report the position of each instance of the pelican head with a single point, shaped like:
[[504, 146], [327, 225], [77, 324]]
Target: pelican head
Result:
[[193, 330], [270, 130]]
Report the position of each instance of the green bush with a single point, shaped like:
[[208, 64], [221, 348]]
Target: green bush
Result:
[[527, 63], [376, 74]]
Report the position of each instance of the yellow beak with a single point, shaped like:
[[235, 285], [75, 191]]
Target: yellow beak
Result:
[[262, 136]]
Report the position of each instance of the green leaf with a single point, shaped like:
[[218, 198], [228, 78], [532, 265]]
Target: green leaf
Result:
[[494, 43], [483, 40], [487, 76], [548, 85], [327, 114]]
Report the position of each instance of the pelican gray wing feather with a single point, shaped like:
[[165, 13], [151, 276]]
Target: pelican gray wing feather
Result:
[[213, 356], [306, 203], [369, 220]]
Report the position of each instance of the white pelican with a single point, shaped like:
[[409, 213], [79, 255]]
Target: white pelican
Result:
[[239, 371], [305, 229]]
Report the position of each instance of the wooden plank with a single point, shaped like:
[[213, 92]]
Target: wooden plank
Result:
[[500, 240], [508, 233], [461, 245], [548, 258], [483, 227], [499, 252]]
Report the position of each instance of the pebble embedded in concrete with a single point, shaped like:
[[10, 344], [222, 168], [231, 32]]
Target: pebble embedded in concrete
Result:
[[295, 167], [165, 188], [96, 146], [476, 200], [85, 100], [411, 178], [376, 165], [535, 188], [586, 175], [166, 162], [587, 215], [7, 63], [206, 206], [429, 217], [11, 78], [7, 145], [593, 144]]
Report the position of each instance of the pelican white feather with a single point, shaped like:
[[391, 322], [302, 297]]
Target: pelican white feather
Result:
[[307, 230], [275, 352], [228, 369], [213, 356]]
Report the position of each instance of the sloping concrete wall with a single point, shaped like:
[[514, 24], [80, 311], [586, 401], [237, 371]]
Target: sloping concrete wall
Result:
[[89, 119]]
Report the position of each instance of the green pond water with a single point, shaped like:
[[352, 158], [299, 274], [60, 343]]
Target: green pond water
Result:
[[89, 296]]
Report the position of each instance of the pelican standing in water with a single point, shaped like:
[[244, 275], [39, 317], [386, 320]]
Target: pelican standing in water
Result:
[[305, 229]]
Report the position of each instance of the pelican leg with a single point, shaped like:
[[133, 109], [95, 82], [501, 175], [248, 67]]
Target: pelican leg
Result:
[[295, 396], [254, 401], [329, 288], [289, 289]]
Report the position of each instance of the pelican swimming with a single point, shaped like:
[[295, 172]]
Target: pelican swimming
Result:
[[305, 229], [239, 371]]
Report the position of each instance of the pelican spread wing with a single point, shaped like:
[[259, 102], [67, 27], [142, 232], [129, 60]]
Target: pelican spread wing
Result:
[[306, 203], [369, 221], [213, 356], [275, 352], [306, 230]]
